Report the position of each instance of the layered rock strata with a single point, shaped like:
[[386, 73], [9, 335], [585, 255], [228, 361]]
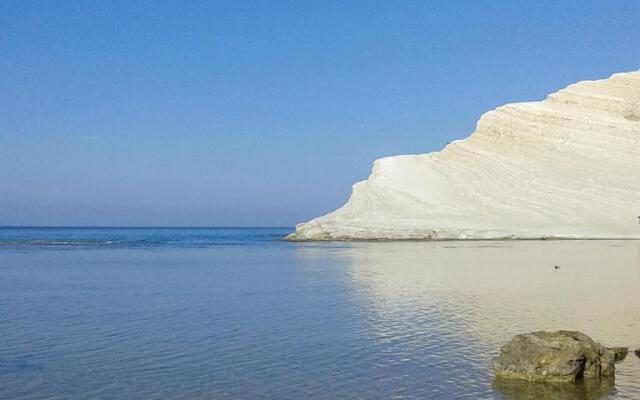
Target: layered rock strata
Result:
[[565, 167]]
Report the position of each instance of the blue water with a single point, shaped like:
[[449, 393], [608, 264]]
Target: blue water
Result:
[[98, 237], [237, 313]]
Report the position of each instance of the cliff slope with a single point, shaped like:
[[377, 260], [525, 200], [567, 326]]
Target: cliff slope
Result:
[[565, 167]]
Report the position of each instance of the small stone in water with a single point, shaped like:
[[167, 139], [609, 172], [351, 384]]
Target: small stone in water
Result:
[[620, 352]]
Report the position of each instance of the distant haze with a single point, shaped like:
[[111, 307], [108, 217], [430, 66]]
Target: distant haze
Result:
[[263, 113]]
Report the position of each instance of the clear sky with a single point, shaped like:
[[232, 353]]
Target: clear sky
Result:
[[263, 112]]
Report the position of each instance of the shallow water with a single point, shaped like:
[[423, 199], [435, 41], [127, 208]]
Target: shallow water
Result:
[[239, 314]]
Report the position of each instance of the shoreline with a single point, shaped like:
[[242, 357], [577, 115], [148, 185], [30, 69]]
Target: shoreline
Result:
[[502, 239]]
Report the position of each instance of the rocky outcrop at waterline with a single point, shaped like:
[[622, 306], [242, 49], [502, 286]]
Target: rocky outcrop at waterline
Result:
[[556, 357]]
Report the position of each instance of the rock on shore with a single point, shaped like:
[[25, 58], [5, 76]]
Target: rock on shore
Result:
[[565, 167], [562, 356]]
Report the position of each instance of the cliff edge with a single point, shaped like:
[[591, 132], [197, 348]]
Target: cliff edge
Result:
[[564, 167]]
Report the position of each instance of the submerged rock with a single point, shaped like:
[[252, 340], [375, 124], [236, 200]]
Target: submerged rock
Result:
[[620, 353], [562, 356], [637, 352], [586, 389]]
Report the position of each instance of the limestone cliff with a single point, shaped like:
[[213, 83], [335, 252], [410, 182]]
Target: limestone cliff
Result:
[[565, 167]]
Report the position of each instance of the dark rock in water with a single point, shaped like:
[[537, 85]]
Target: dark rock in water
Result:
[[562, 356], [557, 267], [637, 352], [620, 353], [585, 389]]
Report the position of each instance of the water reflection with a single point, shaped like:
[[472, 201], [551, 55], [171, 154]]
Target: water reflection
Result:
[[316, 321], [590, 389], [446, 307], [515, 287]]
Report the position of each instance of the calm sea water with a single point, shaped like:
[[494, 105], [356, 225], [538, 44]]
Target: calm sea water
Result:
[[240, 314]]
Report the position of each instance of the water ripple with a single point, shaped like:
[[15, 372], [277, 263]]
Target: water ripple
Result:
[[289, 321]]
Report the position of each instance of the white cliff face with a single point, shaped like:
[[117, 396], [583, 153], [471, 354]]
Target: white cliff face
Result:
[[565, 167]]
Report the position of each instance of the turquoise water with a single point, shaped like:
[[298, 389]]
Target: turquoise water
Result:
[[202, 313]]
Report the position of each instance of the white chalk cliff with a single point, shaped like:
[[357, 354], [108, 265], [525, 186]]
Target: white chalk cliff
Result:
[[565, 167]]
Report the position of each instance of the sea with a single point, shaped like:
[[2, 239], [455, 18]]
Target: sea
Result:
[[240, 313]]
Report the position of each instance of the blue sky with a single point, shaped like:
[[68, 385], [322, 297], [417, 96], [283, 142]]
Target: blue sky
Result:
[[263, 112]]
